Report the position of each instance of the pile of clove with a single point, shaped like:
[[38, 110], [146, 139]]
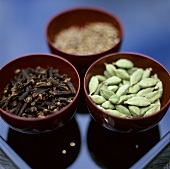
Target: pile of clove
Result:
[[37, 92]]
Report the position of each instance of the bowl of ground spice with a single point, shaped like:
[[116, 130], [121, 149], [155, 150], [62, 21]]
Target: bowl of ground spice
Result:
[[127, 92], [84, 34], [38, 93]]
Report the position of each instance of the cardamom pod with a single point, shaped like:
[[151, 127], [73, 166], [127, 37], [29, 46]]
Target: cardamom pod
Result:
[[124, 63], [106, 74], [152, 110], [122, 109], [114, 99], [153, 96], [145, 91], [113, 88], [159, 85], [93, 84], [136, 76], [122, 74], [110, 68], [101, 78], [125, 97], [122, 90], [98, 99], [107, 105], [131, 70], [138, 101], [135, 88], [148, 82], [146, 73], [134, 110], [106, 93], [112, 80], [115, 113]]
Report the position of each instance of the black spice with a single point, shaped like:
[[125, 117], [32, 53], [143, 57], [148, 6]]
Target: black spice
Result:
[[37, 92]]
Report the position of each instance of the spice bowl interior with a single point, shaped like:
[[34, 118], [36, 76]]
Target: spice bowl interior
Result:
[[51, 118], [79, 18], [130, 124]]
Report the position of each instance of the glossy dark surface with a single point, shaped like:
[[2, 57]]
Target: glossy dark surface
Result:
[[147, 31]]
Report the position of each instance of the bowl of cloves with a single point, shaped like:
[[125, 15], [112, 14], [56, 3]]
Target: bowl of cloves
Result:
[[127, 92], [38, 92]]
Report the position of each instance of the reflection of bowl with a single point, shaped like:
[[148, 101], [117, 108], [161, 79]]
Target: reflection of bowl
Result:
[[80, 17], [134, 124], [125, 148], [58, 148], [54, 120]]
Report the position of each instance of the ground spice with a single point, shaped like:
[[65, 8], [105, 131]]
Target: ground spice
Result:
[[92, 38]]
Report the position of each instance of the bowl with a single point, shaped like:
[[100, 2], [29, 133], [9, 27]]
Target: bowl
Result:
[[81, 17], [136, 123], [53, 120]]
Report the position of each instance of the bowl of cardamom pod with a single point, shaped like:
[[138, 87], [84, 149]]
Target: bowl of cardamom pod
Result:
[[127, 91], [38, 93]]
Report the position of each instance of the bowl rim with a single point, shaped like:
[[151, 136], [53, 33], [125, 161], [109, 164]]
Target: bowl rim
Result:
[[125, 53], [33, 119], [89, 8]]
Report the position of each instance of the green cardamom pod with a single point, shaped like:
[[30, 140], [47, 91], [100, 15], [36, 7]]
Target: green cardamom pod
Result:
[[138, 101], [134, 110], [112, 80], [153, 96], [131, 70], [122, 90], [146, 73], [93, 84], [106, 93], [152, 110], [98, 99], [114, 99], [135, 88], [148, 82], [122, 74], [122, 109], [110, 68], [126, 82], [115, 113], [107, 105], [113, 88], [136, 76], [124, 63], [101, 78], [159, 85], [145, 91], [106, 74], [125, 97]]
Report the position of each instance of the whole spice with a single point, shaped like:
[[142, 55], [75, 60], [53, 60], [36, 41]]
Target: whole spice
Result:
[[126, 91], [37, 92]]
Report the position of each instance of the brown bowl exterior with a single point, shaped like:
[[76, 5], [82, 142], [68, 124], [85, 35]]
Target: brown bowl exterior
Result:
[[135, 124], [80, 17], [44, 60]]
